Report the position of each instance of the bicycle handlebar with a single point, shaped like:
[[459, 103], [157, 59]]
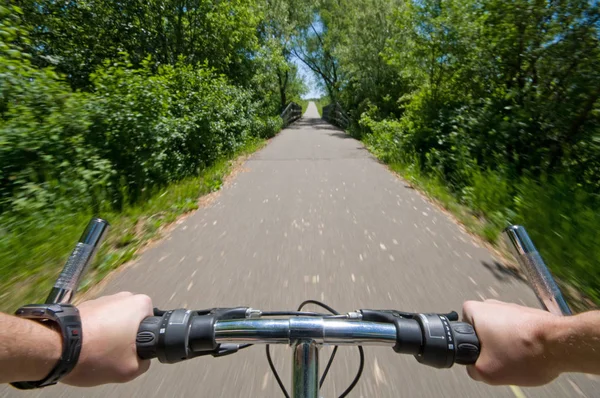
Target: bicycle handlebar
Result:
[[434, 339], [325, 331]]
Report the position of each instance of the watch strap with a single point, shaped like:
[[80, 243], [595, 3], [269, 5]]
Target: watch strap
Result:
[[67, 318]]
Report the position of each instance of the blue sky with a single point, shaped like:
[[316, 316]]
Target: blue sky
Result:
[[309, 79]]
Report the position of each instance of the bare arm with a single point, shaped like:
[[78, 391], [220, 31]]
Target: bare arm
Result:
[[575, 341], [29, 350], [529, 347]]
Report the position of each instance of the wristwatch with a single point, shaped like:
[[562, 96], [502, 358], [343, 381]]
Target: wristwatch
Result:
[[67, 318]]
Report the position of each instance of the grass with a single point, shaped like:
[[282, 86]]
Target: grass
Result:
[[34, 250], [322, 102], [303, 103]]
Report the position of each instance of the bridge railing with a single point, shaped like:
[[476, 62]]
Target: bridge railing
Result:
[[334, 114], [291, 113]]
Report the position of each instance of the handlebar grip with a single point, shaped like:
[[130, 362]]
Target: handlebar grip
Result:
[[466, 342], [146, 340]]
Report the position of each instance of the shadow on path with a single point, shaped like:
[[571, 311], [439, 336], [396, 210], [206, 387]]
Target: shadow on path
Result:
[[312, 123], [503, 273], [341, 134]]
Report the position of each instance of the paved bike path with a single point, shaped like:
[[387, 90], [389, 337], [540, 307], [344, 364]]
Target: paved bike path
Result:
[[314, 215]]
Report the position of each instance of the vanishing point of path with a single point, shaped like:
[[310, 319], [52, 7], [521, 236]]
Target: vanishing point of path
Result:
[[314, 216]]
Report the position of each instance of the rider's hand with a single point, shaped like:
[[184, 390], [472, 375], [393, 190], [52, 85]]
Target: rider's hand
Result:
[[110, 326], [514, 347]]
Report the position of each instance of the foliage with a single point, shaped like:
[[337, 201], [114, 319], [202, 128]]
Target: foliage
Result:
[[138, 131], [314, 50], [562, 219], [78, 36], [282, 19], [158, 128], [44, 158], [360, 32], [302, 102]]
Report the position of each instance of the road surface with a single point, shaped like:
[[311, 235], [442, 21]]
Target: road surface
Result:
[[314, 215]]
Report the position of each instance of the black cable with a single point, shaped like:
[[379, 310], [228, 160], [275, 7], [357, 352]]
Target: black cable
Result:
[[335, 348], [272, 366], [293, 313], [361, 366], [320, 304]]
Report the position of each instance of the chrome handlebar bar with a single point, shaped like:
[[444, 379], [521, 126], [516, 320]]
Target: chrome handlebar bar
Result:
[[322, 331]]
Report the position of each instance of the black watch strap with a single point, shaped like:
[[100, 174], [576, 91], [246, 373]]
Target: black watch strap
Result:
[[68, 320]]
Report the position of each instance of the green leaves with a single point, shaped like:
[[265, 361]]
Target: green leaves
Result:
[[144, 124], [81, 35]]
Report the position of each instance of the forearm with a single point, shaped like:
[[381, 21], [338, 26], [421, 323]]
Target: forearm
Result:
[[575, 343], [28, 349]]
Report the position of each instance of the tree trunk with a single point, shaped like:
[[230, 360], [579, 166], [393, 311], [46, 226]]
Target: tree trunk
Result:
[[283, 88]]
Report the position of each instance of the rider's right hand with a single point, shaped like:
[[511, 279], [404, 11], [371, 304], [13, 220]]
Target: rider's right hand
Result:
[[109, 326], [514, 344]]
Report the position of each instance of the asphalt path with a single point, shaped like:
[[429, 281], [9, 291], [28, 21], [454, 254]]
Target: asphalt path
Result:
[[314, 216]]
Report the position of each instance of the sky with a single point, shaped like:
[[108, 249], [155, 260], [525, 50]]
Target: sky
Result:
[[309, 79]]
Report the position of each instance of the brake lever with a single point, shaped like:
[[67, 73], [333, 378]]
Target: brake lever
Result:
[[223, 350], [452, 316], [388, 316], [385, 316]]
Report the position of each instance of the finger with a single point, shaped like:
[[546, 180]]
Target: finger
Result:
[[468, 309], [145, 303]]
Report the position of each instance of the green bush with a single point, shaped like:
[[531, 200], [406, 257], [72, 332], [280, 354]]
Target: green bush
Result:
[[45, 161], [487, 192], [138, 130]]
